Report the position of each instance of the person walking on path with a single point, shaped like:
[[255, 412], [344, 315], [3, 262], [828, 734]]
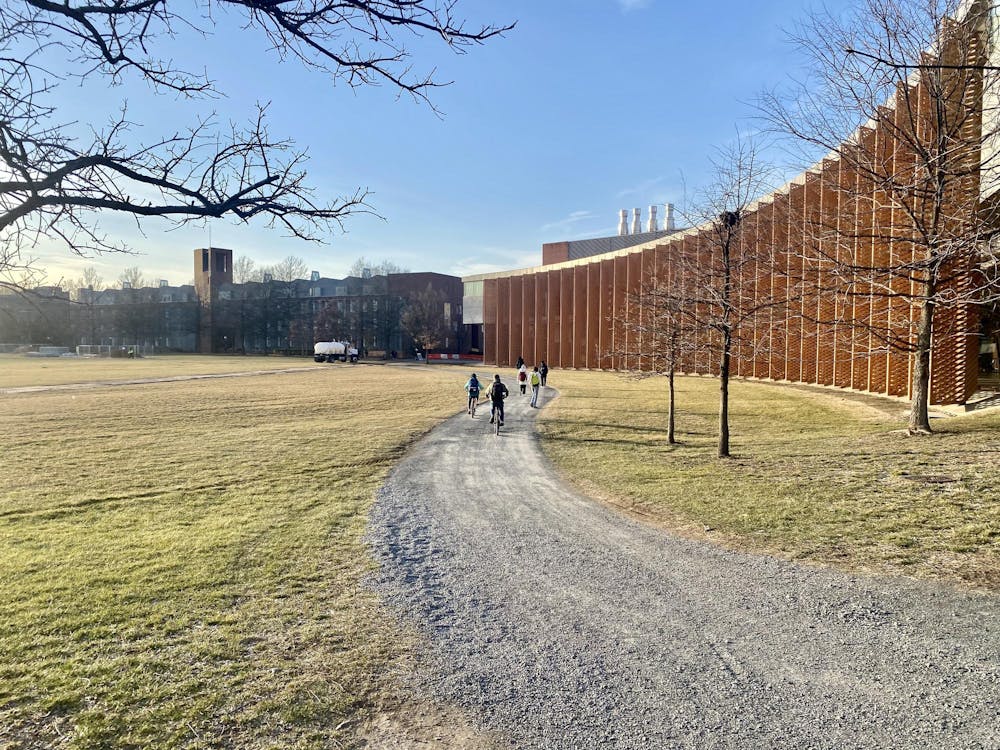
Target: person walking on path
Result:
[[498, 392], [520, 362], [522, 378], [536, 381], [543, 370]]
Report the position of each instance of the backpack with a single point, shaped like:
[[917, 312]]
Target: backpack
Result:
[[496, 392], [474, 387], [522, 376]]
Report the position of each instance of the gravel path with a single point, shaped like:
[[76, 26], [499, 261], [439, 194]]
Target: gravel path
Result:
[[555, 623]]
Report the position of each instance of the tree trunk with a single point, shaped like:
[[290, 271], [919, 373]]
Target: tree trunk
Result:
[[670, 409], [724, 398], [919, 423]]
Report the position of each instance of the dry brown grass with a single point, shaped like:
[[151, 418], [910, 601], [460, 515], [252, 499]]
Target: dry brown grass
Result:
[[818, 475], [181, 564], [16, 370]]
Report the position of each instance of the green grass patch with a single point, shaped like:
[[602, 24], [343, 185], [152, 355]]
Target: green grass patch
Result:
[[816, 475]]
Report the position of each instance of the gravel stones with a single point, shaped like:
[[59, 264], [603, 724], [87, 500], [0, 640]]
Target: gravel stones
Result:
[[555, 623]]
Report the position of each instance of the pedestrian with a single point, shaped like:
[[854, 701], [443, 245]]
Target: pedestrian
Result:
[[520, 362], [522, 378], [543, 370], [536, 381]]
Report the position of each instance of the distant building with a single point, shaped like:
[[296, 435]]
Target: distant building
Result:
[[217, 315]]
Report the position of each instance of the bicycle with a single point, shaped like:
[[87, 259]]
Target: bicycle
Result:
[[473, 402], [497, 392], [496, 418]]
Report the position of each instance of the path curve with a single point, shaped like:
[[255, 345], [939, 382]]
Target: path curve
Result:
[[556, 623]]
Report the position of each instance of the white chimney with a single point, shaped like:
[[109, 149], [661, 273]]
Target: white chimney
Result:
[[668, 218], [651, 226], [623, 223], [636, 221]]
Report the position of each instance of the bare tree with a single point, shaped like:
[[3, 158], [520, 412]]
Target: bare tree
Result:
[[90, 280], [380, 268], [708, 301], [289, 269], [424, 319], [56, 177], [660, 343], [131, 278], [244, 270], [911, 232]]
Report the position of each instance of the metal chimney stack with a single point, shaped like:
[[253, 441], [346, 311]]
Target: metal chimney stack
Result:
[[623, 222], [668, 217], [636, 221], [651, 225]]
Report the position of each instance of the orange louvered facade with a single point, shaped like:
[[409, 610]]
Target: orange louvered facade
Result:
[[821, 325]]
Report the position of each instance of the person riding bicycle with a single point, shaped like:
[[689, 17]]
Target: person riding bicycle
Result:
[[498, 392], [473, 386]]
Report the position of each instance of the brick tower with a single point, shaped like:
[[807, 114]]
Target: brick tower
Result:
[[213, 267]]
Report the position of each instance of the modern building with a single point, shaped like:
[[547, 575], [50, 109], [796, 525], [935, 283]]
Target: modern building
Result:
[[856, 304]]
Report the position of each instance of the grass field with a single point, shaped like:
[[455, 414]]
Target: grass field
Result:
[[182, 563], [17, 371]]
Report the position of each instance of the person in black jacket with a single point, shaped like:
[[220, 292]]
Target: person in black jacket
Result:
[[498, 392], [543, 370]]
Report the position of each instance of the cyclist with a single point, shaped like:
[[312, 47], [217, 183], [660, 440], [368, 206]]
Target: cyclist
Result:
[[498, 392], [473, 386]]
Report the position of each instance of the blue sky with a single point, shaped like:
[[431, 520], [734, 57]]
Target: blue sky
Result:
[[583, 109]]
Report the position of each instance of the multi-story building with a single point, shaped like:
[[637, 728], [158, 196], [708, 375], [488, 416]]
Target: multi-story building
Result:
[[217, 315]]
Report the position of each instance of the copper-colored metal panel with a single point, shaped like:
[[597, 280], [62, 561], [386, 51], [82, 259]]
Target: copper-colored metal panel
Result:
[[566, 317], [490, 304], [580, 316], [503, 322], [552, 357]]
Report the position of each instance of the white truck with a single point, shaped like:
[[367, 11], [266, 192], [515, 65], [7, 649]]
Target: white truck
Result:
[[332, 351]]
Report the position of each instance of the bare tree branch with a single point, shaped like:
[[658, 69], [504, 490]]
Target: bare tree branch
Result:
[[55, 182]]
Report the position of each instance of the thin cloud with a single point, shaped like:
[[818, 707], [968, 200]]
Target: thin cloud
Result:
[[643, 189], [628, 6], [568, 223], [500, 260]]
